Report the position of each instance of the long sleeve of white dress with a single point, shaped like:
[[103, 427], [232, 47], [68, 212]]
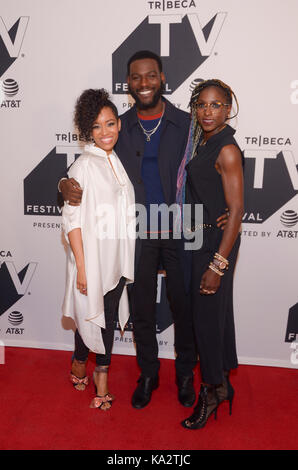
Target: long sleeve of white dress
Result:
[[106, 217]]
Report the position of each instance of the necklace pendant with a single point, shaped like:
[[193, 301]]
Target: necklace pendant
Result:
[[148, 138]]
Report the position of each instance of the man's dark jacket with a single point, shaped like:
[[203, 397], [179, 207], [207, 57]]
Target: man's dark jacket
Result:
[[173, 139], [130, 150]]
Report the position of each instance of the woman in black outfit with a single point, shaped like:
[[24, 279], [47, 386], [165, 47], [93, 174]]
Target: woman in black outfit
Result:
[[214, 178]]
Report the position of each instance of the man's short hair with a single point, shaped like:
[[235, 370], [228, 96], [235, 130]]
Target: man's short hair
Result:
[[144, 55]]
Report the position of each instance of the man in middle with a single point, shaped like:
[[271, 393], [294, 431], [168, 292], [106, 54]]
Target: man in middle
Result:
[[151, 147]]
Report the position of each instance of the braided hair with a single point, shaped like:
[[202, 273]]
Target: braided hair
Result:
[[195, 131], [229, 95]]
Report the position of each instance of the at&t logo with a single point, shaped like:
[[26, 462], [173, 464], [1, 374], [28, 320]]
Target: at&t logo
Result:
[[15, 319], [8, 89], [289, 219]]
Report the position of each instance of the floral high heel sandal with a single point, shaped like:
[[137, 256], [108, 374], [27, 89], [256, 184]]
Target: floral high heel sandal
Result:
[[102, 402], [79, 383]]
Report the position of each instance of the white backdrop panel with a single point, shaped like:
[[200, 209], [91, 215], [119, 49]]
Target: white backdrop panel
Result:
[[50, 51]]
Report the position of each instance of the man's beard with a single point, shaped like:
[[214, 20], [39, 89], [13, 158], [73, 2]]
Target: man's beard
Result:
[[156, 97]]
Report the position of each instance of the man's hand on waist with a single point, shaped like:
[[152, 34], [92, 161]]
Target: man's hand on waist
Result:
[[71, 191]]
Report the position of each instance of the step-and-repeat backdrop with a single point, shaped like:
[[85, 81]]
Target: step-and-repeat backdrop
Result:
[[52, 50]]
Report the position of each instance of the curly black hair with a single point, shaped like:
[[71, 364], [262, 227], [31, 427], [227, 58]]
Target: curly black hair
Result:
[[88, 107]]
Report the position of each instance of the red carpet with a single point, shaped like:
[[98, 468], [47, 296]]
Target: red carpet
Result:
[[40, 409]]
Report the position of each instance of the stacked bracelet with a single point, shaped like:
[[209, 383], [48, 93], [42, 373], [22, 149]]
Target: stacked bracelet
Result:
[[221, 258], [215, 269], [219, 264]]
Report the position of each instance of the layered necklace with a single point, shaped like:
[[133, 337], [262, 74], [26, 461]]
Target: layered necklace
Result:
[[150, 133]]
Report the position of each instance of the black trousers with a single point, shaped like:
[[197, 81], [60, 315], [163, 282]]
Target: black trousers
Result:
[[143, 302], [111, 303], [213, 314]]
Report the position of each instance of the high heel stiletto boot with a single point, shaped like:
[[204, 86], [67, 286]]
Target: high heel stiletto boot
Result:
[[207, 404], [225, 391]]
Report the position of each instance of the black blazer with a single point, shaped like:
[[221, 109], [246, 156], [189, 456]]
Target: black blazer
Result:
[[173, 140], [130, 149]]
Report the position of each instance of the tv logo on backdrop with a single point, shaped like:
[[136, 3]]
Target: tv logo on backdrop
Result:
[[13, 284], [164, 318], [271, 177], [40, 186], [292, 326], [292, 333], [10, 47], [181, 41], [11, 42]]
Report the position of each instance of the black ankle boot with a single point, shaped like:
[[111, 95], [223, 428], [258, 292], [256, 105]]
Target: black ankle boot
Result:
[[142, 394], [225, 391], [186, 391], [207, 404]]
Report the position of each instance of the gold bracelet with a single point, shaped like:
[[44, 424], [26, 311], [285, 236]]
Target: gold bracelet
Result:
[[221, 258], [222, 265], [220, 262], [215, 269]]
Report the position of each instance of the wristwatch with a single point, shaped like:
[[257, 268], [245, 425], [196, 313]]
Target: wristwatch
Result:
[[220, 264]]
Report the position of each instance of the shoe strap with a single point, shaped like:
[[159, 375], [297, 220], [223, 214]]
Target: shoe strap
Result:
[[100, 399], [79, 381]]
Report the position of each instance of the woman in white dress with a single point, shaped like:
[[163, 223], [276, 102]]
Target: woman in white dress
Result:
[[101, 236]]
